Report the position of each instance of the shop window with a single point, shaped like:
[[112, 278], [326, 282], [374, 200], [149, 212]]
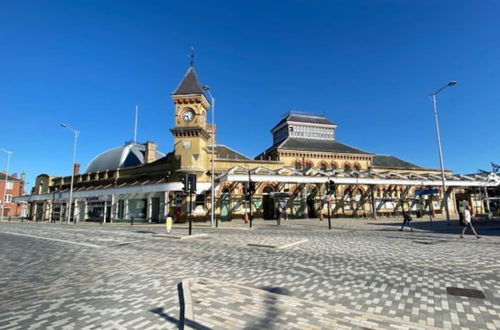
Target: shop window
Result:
[[137, 208], [121, 209]]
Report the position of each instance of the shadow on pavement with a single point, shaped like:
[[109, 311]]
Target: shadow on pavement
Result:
[[272, 311], [441, 226]]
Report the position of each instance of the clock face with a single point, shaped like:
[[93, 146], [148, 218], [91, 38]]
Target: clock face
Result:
[[188, 115]]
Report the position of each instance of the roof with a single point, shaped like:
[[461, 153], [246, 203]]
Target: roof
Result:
[[224, 152], [130, 154], [304, 118], [10, 178], [392, 162], [190, 84], [317, 145]]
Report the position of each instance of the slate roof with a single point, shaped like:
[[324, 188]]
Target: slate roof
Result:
[[392, 162], [225, 152], [305, 119], [316, 145], [190, 84], [10, 178]]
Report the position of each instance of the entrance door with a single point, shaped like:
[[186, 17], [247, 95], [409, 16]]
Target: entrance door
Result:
[[268, 203], [311, 210], [297, 207], [225, 205], [155, 209]]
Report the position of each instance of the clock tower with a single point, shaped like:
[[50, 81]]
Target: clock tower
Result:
[[191, 135]]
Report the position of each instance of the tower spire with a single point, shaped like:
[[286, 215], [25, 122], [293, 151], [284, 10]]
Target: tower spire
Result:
[[192, 56]]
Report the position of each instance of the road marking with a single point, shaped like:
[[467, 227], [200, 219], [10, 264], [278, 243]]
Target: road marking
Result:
[[52, 239]]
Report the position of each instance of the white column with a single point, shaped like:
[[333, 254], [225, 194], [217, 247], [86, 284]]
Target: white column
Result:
[[85, 210], [125, 211], [76, 211], [114, 208], [149, 206], [105, 213], [166, 205]]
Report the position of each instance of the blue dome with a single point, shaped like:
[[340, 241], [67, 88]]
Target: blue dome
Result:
[[131, 154]]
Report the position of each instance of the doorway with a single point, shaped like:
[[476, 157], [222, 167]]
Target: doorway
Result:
[[225, 205], [268, 203]]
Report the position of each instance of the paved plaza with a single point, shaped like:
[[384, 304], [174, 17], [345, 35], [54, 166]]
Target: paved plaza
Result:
[[363, 274]]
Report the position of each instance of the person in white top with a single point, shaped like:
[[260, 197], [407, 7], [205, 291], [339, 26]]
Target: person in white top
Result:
[[467, 223]]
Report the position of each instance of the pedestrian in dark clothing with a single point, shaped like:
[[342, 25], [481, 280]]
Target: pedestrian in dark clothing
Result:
[[406, 221]]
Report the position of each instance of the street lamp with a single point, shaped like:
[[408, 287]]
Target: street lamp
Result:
[[72, 170], [212, 211], [9, 153], [445, 194]]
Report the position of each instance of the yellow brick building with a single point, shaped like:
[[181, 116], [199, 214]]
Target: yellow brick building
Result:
[[137, 183]]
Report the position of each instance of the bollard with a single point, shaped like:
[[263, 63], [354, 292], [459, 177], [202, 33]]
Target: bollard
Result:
[[131, 221], [9, 218]]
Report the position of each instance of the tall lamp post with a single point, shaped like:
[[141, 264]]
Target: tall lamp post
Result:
[[443, 180], [72, 170], [9, 153], [212, 208]]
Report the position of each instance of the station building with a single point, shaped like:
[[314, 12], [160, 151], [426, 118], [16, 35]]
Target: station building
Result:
[[136, 182]]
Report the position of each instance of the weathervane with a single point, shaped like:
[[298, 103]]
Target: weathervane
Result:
[[192, 56]]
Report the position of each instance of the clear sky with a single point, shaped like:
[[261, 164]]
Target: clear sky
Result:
[[367, 65]]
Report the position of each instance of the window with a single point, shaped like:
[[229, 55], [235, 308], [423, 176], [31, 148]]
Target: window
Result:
[[309, 165], [298, 165], [8, 198], [10, 185], [323, 166], [347, 168]]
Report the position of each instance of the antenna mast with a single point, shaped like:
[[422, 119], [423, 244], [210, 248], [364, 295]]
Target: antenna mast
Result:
[[135, 125]]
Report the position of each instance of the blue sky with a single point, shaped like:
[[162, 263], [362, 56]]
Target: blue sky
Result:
[[367, 65]]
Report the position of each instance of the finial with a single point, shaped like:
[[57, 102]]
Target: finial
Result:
[[192, 56]]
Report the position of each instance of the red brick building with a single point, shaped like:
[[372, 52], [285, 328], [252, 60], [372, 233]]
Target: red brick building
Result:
[[15, 188]]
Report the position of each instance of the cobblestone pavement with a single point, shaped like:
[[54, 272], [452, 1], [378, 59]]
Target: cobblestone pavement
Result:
[[122, 277]]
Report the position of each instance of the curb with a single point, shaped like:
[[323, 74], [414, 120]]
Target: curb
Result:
[[179, 236]]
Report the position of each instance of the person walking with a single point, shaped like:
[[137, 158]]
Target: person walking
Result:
[[406, 221], [467, 223]]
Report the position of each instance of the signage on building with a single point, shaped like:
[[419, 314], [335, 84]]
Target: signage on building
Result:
[[90, 199], [280, 195], [426, 192]]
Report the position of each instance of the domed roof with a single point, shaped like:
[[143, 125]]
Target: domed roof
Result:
[[131, 154]]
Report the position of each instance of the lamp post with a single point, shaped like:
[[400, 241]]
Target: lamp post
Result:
[[445, 193], [212, 207], [72, 170], [9, 153]]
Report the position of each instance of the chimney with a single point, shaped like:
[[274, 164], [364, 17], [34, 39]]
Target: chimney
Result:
[[23, 177], [76, 169], [150, 153], [14, 175]]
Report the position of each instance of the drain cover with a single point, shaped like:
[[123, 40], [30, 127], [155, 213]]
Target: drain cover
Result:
[[472, 293]]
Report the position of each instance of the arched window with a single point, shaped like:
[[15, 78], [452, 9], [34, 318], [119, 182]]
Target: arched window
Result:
[[309, 165], [357, 167], [323, 166], [347, 168], [334, 166], [298, 165]]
